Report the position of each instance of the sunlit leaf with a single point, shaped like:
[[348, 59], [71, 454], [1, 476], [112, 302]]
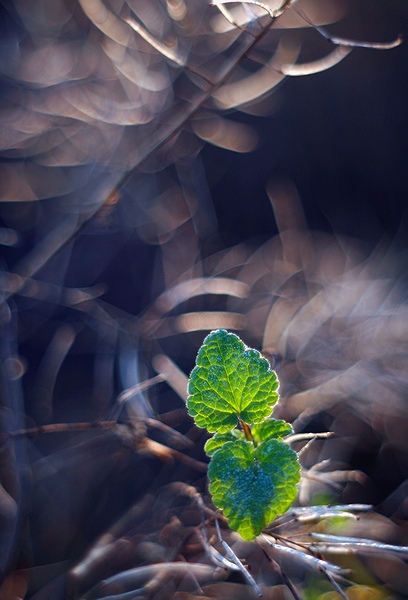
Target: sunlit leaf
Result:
[[230, 382], [272, 428], [253, 485], [219, 439]]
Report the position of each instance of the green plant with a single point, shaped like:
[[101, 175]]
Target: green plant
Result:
[[253, 472]]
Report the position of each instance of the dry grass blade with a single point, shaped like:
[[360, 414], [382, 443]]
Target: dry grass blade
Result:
[[174, 376], [148, 579], [359, 543], [273, 13], [126, 395], [234, 558], [317, 66], [155, 43], [203, 285], [341, 41], [289, 584], [226, 134], [251, 87], [312, 562]]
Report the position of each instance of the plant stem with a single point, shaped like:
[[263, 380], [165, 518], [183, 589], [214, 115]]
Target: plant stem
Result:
[[247, 431]]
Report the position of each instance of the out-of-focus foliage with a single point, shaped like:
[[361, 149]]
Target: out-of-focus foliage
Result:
[[93, 92], [106, 83]]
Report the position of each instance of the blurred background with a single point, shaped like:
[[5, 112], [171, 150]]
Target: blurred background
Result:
[[160, 177]]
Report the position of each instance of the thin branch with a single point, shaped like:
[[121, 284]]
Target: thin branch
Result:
[[226, 13], [276, 566], [316, 66], [340, 41], [345, 46], [308, 559], [129, 432], [359, 543], [273, 13], [33, 432], [155, 43], [237, 562], [131, 392], [334, 583], [166, 453], [164, 50], [300, 437]]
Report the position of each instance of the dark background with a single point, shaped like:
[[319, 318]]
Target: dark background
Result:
[[340, 136]]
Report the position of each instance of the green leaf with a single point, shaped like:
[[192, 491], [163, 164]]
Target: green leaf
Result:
[[229, 382], [253, 485], [219, 439], [271, 428]]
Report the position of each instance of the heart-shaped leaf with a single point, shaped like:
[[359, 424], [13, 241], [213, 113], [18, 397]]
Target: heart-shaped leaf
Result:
[[252, 485], [229, 382]]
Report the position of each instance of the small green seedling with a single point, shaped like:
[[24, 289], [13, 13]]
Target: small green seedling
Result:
[[253, 472]]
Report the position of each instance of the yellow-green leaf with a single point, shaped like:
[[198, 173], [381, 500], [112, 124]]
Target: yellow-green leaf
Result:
[[229, 382]]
